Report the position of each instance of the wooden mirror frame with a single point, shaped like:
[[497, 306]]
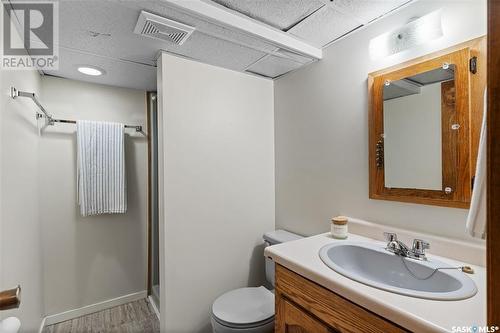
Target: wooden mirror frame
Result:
[[460, 150]]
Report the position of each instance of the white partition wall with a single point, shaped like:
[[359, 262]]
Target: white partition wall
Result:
[[217, 186]]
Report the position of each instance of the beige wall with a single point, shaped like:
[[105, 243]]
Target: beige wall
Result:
[[321, 124], [20, 241], [92, 259], [218, 186]]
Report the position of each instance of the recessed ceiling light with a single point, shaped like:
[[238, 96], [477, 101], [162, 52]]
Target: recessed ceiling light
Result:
[[90, 70]]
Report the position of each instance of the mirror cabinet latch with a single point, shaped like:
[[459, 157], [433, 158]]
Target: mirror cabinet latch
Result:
[[448, 190], [473, 65], [379, 153]]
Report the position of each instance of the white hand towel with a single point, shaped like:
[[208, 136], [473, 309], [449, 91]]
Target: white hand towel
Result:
[[476, 220], [101, 168]]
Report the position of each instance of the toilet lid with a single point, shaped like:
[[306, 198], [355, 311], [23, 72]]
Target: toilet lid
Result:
[[244, 306]]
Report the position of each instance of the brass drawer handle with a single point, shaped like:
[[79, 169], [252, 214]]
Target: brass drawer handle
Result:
[[10, 299]]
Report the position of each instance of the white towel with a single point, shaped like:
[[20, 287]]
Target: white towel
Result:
[[476, 220], [101, 168]]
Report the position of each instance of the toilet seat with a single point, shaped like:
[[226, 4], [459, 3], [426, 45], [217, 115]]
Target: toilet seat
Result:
[[244, 308], [244, 326]]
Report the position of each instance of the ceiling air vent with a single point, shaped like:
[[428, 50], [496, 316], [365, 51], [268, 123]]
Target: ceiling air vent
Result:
[[154, 26]]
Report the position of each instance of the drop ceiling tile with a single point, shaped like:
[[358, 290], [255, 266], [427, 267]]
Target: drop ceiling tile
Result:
[[100, 33], [281, 14], [103, 28], [292, 55], [324, 26], [215, 51], [367, 10], [106, 28], [118, 73], [273, 66], [160, 7]]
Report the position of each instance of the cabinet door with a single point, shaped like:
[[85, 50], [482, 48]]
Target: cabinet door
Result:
[[294, 320], [323, 307]]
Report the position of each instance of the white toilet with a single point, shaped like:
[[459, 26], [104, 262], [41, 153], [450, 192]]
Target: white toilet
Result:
[[250, 310]]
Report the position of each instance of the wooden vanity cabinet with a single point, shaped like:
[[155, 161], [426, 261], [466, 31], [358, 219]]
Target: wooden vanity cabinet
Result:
[[303, 306]]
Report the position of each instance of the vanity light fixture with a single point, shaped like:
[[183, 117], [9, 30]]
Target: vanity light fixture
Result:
[[416, 32], [90, 70]]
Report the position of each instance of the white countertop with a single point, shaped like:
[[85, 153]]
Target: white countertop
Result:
[[415, 314]]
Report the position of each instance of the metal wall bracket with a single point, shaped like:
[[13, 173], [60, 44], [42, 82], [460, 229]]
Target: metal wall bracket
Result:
[[14, 92]]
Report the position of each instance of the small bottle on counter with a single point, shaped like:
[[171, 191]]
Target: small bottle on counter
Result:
[[339, 227]]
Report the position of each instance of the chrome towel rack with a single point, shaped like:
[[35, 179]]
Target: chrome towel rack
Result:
[[14, 93]]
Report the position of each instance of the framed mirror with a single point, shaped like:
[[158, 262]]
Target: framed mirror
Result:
[[424, 127]]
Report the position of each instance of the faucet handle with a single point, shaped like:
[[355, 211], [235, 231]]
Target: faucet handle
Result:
[[419, 247], [390, 236]]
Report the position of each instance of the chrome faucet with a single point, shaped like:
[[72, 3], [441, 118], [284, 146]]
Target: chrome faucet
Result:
[[418, 249], [399, 248], [396, 246]]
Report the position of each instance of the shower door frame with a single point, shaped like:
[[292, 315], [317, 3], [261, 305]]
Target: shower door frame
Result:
[[151, 97]]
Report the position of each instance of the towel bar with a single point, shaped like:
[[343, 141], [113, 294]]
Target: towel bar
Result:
[[51, 120]]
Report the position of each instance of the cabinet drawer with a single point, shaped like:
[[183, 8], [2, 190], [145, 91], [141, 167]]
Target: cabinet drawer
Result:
[[331, 309], [295, 320]]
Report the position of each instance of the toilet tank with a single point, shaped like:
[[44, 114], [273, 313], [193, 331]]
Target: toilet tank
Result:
[[273, 238]]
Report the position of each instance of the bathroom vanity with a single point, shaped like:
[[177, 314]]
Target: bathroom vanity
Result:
[[304, 306], [312, 297]]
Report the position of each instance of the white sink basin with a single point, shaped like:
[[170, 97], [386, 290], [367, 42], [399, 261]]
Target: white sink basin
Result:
[[372, 265]]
